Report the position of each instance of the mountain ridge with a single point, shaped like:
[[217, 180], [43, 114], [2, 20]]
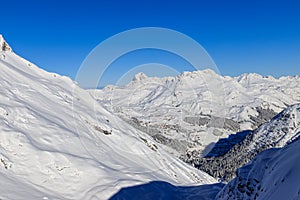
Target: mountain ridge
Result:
[[273, 174], [191, 109], [280, 131]]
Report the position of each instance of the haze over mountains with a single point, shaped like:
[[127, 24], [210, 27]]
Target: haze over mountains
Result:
[[59, 141]]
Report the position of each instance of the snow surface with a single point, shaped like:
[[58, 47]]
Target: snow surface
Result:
[[281, 130], [186, 108], [57, 142], [273, 174]]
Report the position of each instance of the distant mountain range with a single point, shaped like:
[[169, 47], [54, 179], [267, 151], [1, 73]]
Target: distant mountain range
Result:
[[189, 115]]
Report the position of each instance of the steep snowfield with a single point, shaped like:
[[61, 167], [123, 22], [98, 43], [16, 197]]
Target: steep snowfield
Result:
[[186, 111], [273, 174], [57, 142], [282, 129]]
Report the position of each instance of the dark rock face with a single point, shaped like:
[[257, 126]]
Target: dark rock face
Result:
[[4, 45]]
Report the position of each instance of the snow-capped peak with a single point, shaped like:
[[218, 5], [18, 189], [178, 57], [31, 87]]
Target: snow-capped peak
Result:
[[140, 76], [198, 73], [4, 45], [1, 38]]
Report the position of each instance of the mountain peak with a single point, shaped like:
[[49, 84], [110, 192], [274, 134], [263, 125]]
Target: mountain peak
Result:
[[140, 76], [4, 45], [199, 72]]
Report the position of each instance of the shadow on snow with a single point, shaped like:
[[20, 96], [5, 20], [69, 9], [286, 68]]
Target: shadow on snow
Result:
[[165, 191]]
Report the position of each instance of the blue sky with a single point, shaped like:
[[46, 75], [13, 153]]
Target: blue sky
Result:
[[261, 36]]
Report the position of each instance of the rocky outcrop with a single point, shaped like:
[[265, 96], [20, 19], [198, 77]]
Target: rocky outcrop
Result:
[[4, 45]]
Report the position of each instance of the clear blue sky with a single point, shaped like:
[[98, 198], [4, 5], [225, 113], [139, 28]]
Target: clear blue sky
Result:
[[241, 36]]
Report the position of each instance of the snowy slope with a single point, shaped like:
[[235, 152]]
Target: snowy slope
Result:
[[282, 129], [273, 174], [185, 111], [57, 142]]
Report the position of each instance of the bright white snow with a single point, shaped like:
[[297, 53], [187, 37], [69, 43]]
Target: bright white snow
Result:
[[163, 104], [57, 142]]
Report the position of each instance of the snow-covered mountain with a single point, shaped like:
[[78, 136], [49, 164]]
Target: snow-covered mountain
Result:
[[273, 174], [191, 112], [57, 142], [282, 129]]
